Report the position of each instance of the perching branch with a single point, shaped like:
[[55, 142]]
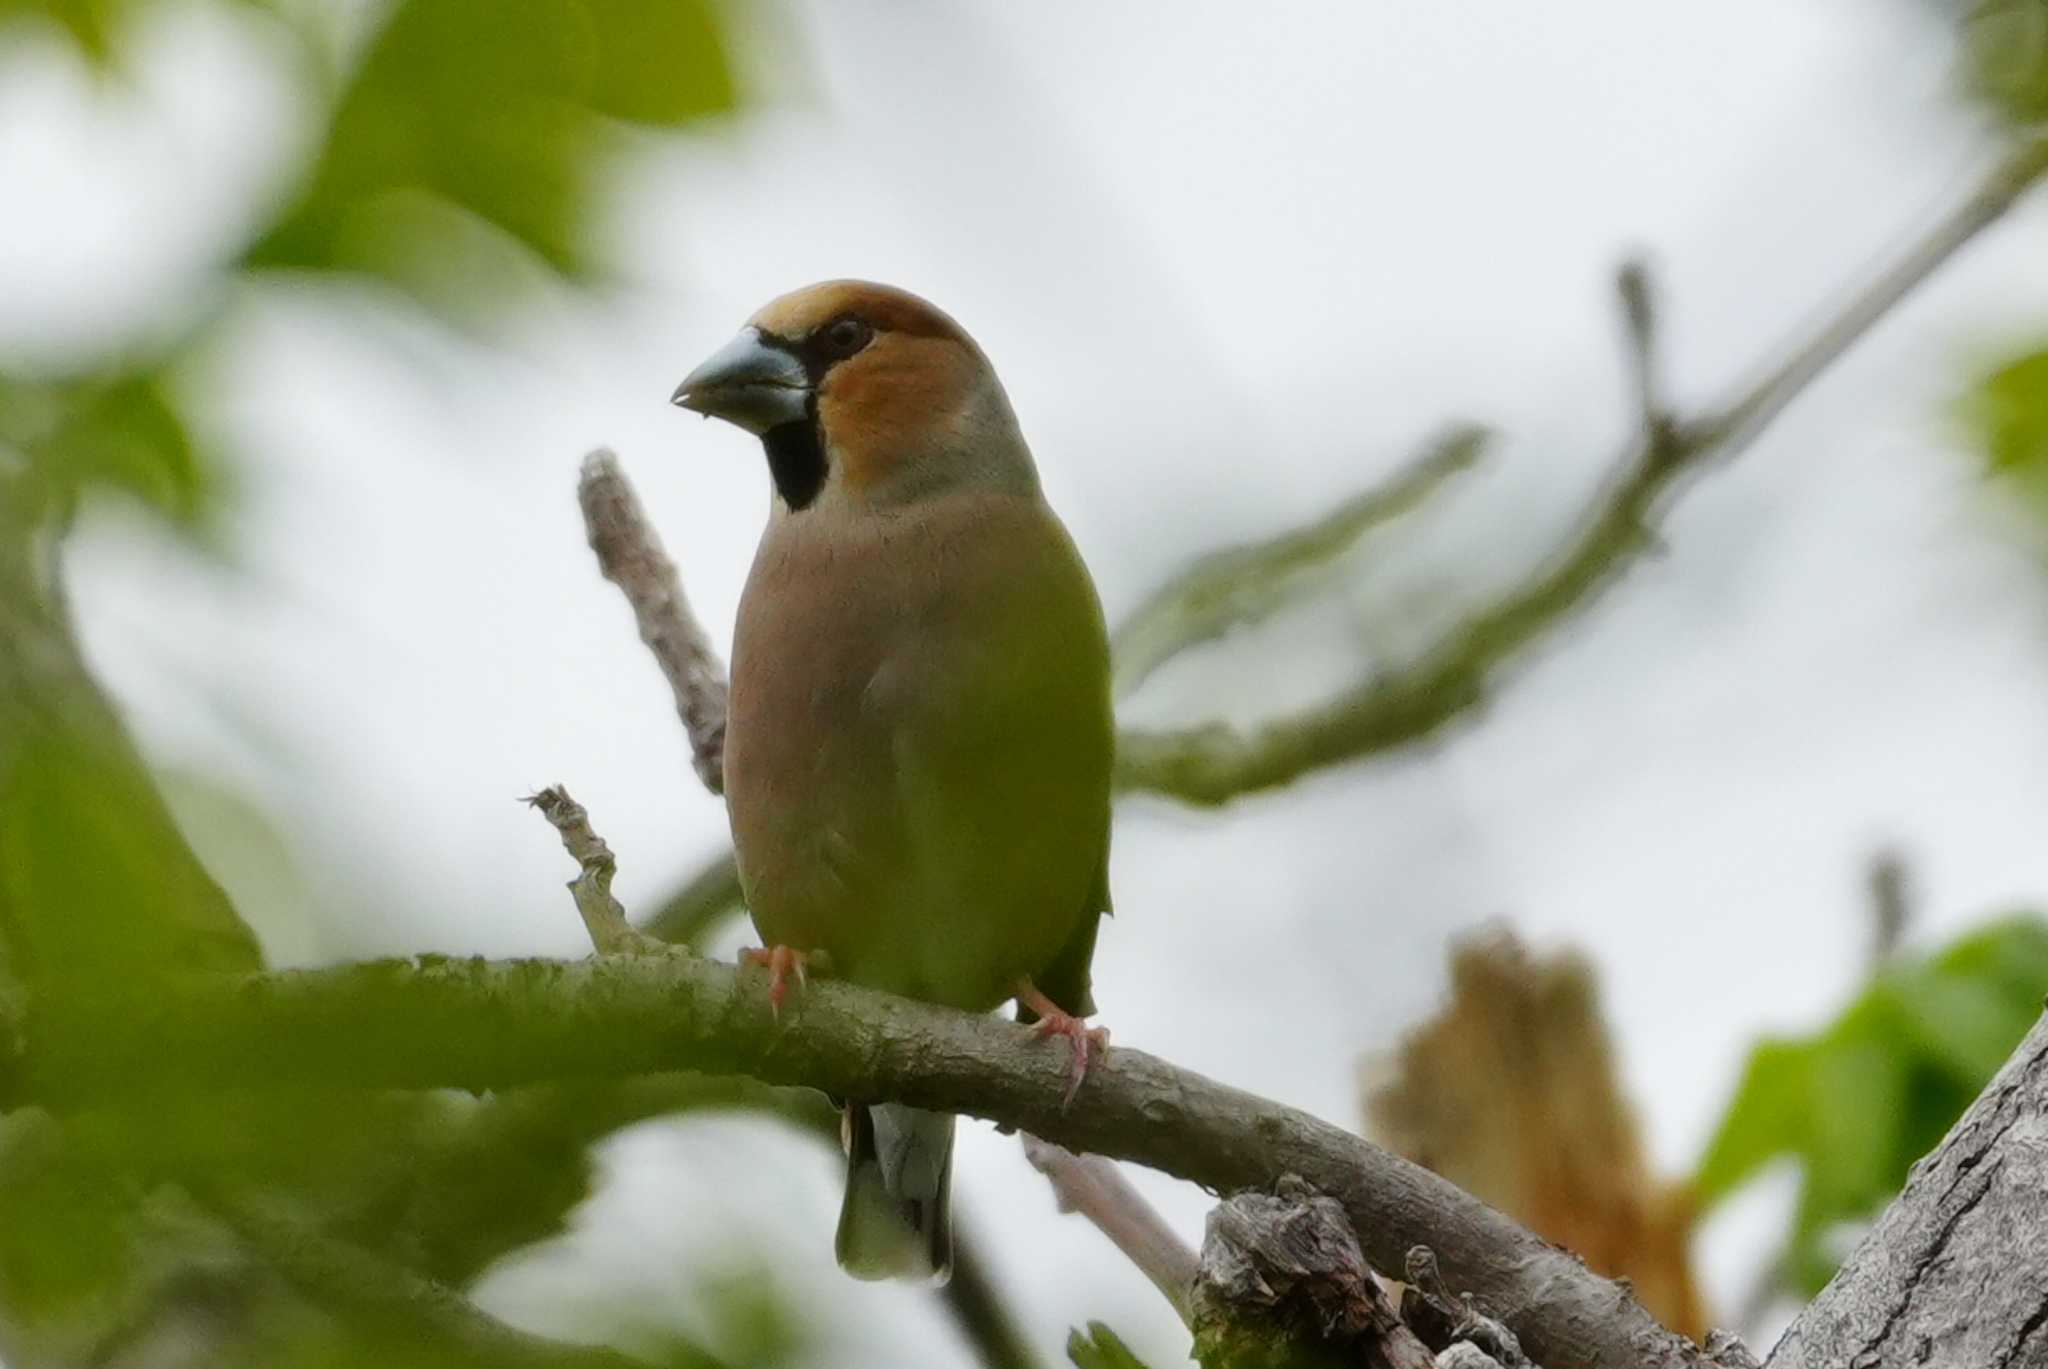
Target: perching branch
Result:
[[480, 1024], [1213, 764], [630, 554]]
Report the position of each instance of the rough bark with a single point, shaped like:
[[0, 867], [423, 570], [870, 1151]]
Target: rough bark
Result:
[[1956, 1271], [1283, 1284]]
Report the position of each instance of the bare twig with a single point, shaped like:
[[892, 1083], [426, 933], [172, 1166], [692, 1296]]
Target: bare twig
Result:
[[1090, 1185], [1241, 585], [1646, 361], [1891, 905], [1736, 424], [689, 915], [481, 1024], [1214, 763], [603, 918], [630, 554]]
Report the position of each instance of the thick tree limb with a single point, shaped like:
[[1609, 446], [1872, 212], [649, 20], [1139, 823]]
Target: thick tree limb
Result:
[[1213, 764], [1953, 1273], [481, 1024]]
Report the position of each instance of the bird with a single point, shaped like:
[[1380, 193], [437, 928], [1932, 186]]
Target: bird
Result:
[[919, 736]]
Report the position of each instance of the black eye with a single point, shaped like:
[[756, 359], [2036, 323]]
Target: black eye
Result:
[[843, 336]]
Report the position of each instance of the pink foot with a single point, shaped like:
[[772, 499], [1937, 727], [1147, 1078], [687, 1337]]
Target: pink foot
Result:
[[781, 961], [1053, 1020]]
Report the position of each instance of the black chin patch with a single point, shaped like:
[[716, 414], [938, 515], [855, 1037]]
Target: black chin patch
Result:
[[796, 460]]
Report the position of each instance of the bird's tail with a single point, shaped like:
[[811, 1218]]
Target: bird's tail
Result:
[[896, 1222]]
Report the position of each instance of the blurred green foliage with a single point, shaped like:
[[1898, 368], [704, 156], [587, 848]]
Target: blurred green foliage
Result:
[[94, 878], [1856, 1104], [119, 428], [96, 884], [465, 149], [1100, 1348], [92, 24], [2005, 57], [66, 1238], [463, 156], [2007, 411], [466, 115]]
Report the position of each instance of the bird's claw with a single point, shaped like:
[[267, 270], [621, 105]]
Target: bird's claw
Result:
[[781, 962], [1084, 1042]]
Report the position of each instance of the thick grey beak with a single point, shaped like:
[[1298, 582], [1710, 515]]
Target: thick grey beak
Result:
[[747, 383]]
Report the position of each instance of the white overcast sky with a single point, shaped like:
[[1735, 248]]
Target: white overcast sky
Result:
[[1232, 262]]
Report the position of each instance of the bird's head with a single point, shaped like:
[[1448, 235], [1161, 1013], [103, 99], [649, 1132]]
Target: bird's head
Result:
[[865, 394]]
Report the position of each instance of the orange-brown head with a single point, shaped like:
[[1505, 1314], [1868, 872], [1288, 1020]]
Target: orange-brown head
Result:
[[863, 393]]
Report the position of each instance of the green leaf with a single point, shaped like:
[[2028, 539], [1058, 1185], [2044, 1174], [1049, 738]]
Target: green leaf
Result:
[[1767, 1118], [1100, 1348], [2005, 57], [1857, 1080], [96, 884], [2012, 953], [120, 430], [90, 23], [1965, 1024], [656, 62], [64, 1246], [459, 123], [1860, 1101], [2008, 413]]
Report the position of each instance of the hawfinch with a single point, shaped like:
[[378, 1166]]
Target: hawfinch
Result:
[[917, 756]]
